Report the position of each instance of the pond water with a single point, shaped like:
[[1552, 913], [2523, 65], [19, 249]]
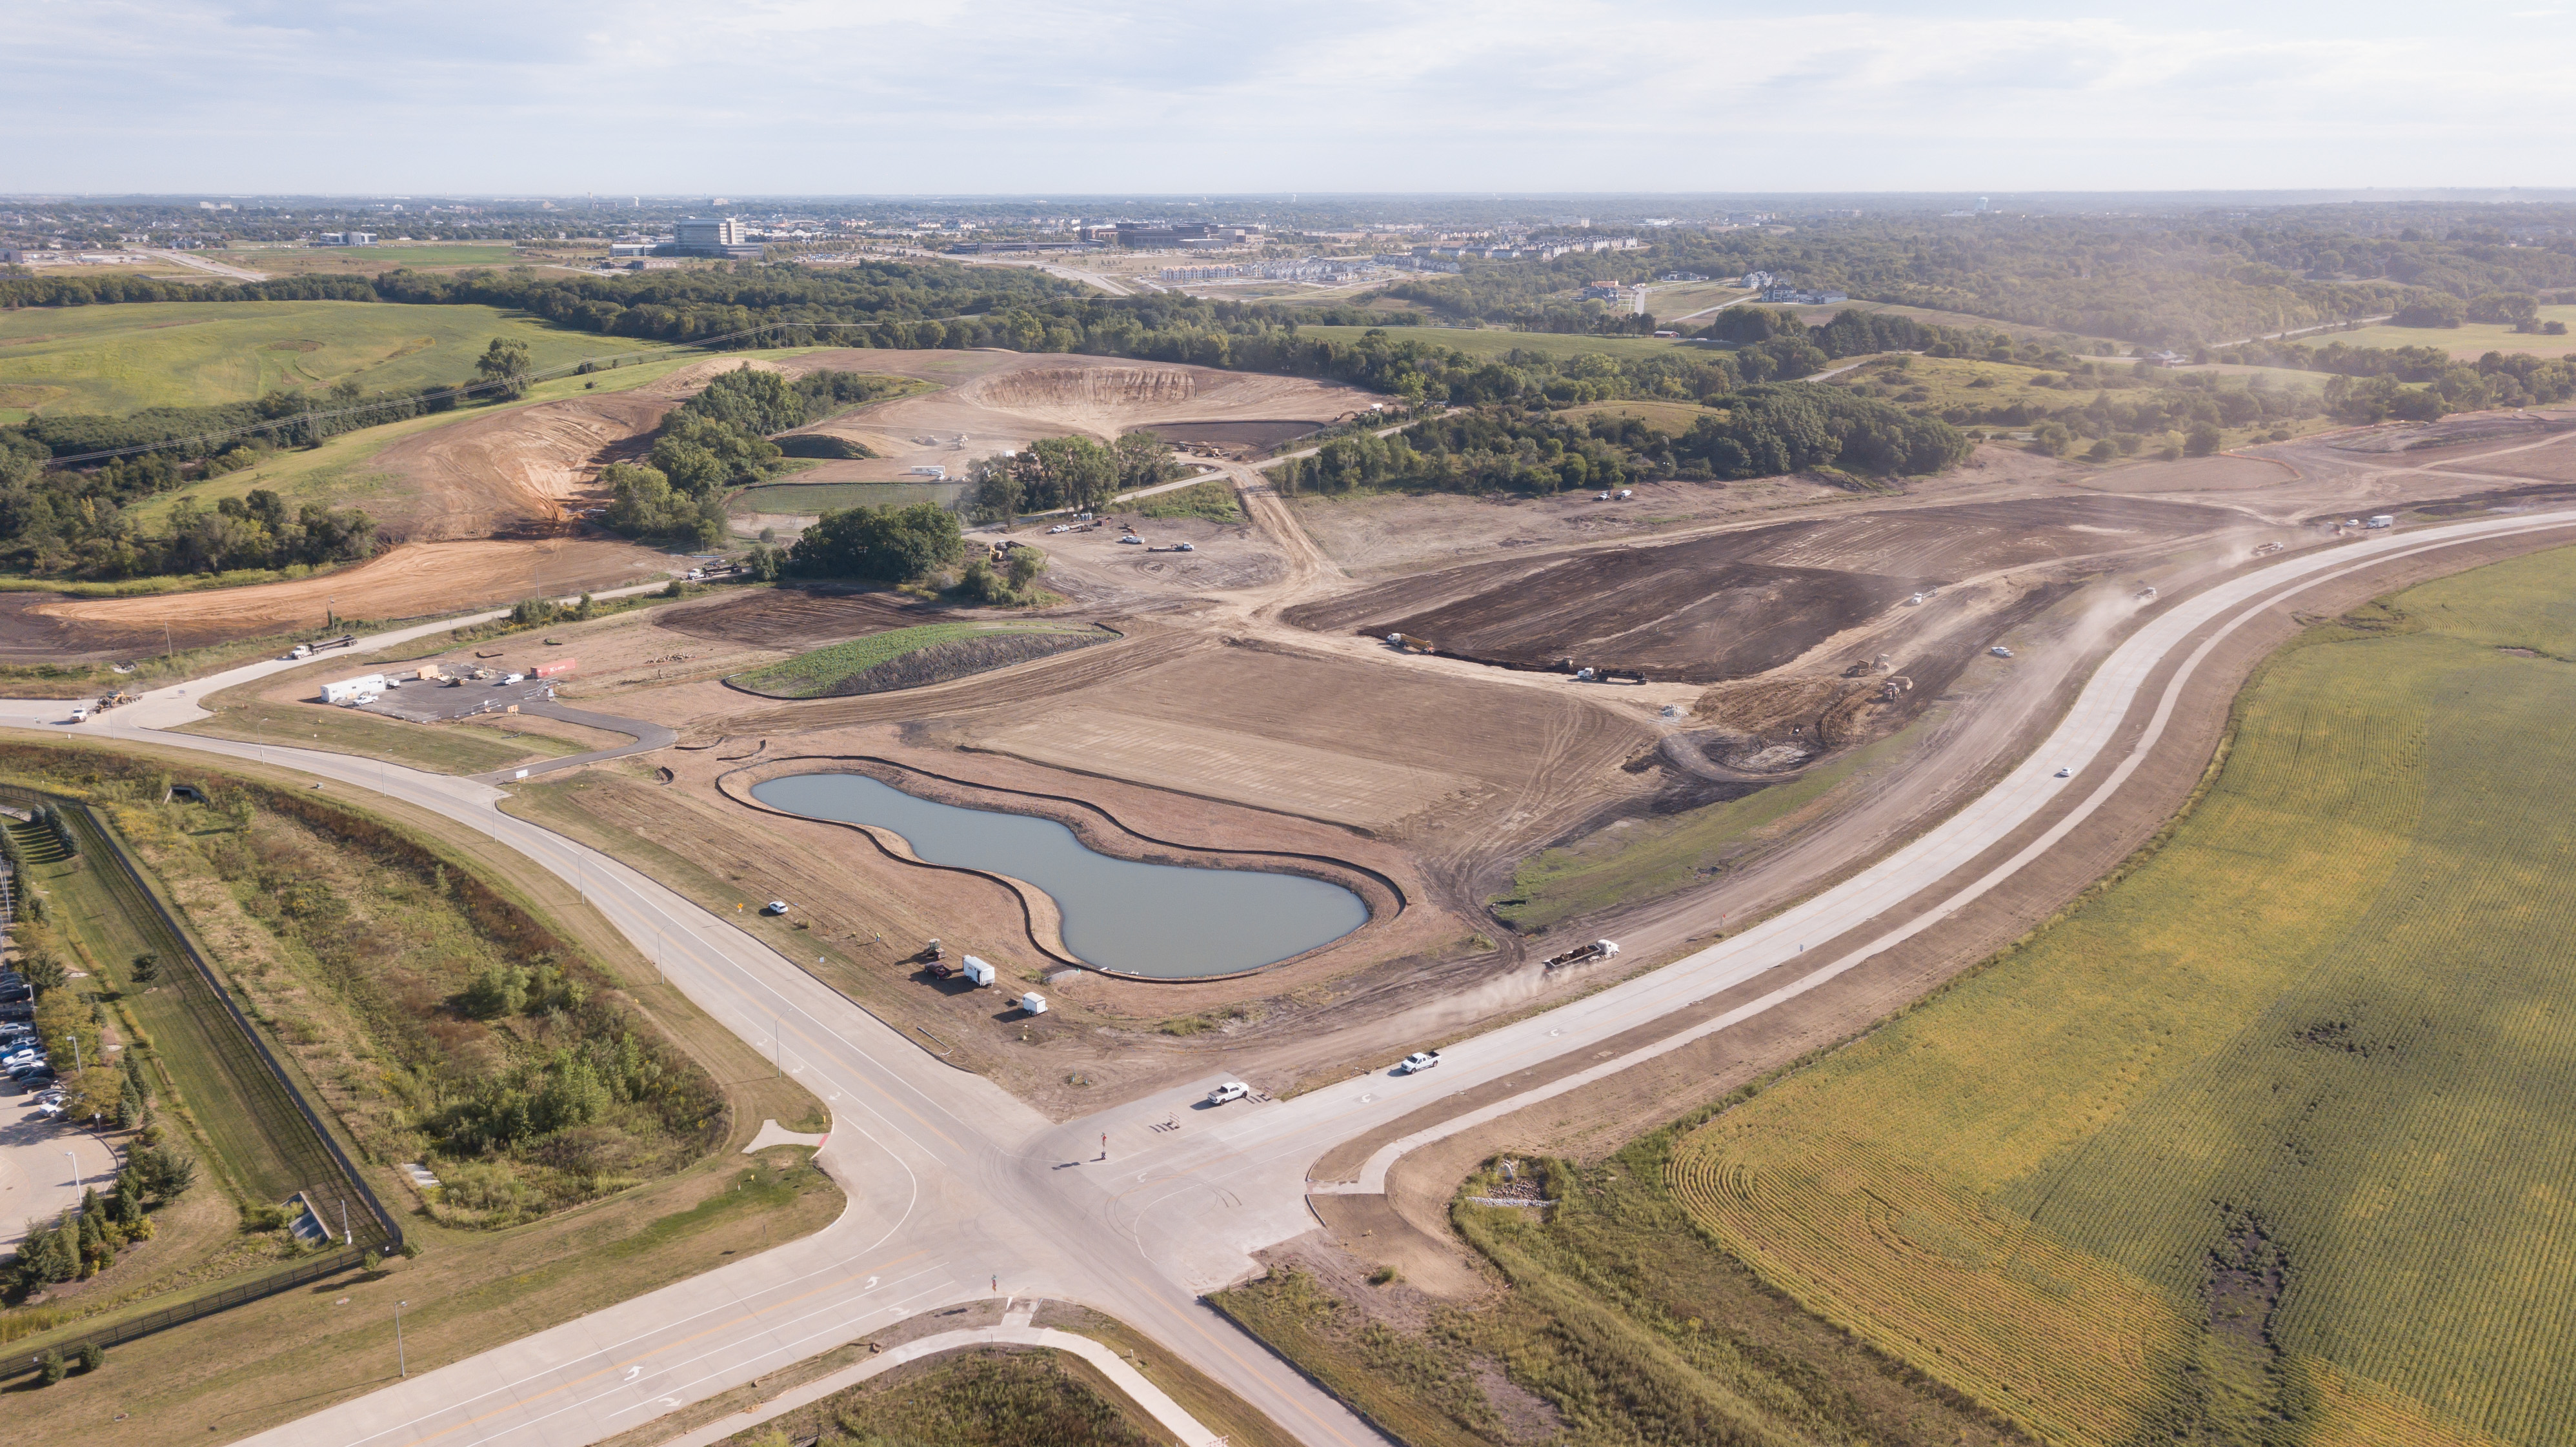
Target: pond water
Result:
[[1163, 920]]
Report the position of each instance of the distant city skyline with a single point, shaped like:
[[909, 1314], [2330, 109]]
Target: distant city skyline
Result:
[[969, 97]]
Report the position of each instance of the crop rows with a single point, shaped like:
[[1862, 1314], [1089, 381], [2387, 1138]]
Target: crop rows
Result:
[[2312, 1063]]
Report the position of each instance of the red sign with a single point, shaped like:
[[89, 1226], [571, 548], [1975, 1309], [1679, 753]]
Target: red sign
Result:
[[562, 665]]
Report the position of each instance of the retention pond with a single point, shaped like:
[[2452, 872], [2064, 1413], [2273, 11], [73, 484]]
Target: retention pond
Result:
[[1167, 921]]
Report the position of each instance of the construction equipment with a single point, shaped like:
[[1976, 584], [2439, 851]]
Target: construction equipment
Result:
[[1585, 954]]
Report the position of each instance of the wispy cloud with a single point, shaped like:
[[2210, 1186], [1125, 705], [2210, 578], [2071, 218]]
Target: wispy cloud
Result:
[[971, 95]]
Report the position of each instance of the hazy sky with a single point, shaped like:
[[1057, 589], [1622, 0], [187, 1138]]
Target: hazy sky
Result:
[[806, 96]]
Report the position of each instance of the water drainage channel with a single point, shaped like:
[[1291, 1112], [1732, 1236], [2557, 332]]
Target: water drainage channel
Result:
[[1167, 921]]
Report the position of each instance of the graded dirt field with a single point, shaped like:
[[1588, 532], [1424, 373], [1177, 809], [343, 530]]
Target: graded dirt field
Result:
[[2267, 1128], [1014, 399], [1736, 603], [118, 358], [416, 580]]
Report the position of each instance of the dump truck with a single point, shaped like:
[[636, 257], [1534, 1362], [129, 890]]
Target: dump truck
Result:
[[1585, 954]]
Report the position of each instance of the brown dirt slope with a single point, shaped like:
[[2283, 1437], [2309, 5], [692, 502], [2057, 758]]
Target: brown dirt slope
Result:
[[413, 581]]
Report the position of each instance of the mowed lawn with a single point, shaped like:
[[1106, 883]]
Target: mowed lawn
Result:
[[2276, 1128], [2467, 341], [117, 359]]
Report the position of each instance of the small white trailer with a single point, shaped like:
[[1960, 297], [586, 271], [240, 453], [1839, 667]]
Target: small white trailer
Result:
[[977, 972]]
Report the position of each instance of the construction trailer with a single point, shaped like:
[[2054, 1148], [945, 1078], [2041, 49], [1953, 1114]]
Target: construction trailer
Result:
[[347, 690]]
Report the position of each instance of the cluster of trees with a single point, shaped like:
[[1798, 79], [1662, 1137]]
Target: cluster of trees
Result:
[[77, 524], [1065, 472], [578, 1083], [881, 544], [717, 441], [1763, 430], [86, 1239]]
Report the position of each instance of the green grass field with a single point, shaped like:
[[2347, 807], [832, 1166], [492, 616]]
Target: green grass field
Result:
[[371, 260], [1642, 859], [2274, 1129], [811, 675], [186, 354], [1670, 418], [2468, 341], [1213, 500], [1484, 343]]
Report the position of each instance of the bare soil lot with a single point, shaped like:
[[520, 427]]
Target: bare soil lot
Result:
[[793, 619], [1014, 399], [416, 580], [1731, 604], [1254, 434], [2197, 474]]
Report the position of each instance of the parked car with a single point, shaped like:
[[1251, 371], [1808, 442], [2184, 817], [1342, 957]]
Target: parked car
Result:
[[1418, 1061], [1231, 1090], [775, 906]]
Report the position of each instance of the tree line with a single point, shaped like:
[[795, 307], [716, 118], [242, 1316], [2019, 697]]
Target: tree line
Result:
[[1764, 430]]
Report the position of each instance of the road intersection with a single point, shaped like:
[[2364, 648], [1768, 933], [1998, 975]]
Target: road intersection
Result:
[[959, 1192]]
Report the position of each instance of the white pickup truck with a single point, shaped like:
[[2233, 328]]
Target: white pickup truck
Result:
[[1418, 1062]]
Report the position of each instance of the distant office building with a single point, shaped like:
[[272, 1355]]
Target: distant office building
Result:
[[346, 238], [1144, 236], [710, 236], [721, 231]]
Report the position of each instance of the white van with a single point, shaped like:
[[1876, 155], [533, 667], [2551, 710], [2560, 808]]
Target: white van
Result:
[[80, 713]]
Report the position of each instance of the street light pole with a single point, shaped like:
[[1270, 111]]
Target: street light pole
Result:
[[76, 1170], [402, 1365]]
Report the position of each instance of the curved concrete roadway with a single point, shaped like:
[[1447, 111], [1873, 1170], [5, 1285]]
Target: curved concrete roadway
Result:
[[960, 1192]]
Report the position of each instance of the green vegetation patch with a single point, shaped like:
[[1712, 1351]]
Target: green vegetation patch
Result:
[[873, 664], [2269, 1130], [1621, 1325], [1215, 501], [985, 1397], [122, 357], [1649, 858]]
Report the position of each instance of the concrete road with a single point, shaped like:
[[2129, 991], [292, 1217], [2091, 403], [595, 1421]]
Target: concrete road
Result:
[[960, 1192]]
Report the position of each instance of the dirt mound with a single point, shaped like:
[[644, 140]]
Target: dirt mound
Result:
[[508, 471], [413, 581], [1041, 390]]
